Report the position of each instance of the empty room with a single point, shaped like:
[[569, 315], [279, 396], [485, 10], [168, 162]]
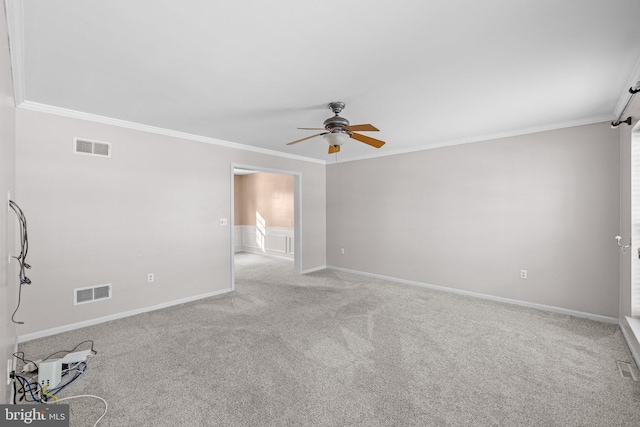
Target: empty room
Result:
[[320, 213]]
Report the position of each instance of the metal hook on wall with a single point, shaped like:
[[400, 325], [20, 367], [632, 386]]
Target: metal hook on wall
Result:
[[623, 247]]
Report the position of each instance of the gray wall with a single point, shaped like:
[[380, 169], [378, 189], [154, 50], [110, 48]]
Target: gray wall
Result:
[[153, 207], [8, 277], [470, 217]]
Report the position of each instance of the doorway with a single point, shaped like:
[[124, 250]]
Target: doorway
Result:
[[270, 228]]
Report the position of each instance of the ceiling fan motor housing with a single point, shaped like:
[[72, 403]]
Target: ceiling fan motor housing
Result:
[[335, 122]]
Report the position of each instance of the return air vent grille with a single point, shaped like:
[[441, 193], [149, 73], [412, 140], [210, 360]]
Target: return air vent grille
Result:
[[91, 294], [92, 148]]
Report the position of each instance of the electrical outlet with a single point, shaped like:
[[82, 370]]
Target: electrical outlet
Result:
[[341, 251], [150, 278], [523, 274], [223, 221], [9, 370]]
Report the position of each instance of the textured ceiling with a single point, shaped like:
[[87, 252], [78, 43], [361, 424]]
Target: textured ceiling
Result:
[[426, 73]]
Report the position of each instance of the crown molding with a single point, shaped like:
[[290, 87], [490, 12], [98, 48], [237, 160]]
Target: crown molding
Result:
[[49, 109], [488, 137], [43, 108]]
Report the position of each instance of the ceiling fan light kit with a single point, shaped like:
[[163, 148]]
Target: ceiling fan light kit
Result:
[[338, 130], [336, 138]]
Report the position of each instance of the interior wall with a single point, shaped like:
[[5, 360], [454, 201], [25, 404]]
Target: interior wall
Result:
[[153, 207], [270, 195], [470, 217], [8, 221]]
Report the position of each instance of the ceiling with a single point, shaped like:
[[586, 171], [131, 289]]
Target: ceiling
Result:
[[426, 73]]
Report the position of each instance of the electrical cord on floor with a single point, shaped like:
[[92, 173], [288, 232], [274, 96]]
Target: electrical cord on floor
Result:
[[70, 374], [72, 350], [29, 380], [61, 387], [27, 384], [106, 405], [49, 395], [22, 358]]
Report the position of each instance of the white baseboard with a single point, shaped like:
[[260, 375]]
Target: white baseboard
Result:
[[630, 328], [314, 269], [542, 307], [264, 254], [65, 328]]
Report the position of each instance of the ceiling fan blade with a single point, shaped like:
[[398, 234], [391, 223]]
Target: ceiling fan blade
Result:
[[361, 128], [334, 149], [309, 137], [312, 128], [368, 140]]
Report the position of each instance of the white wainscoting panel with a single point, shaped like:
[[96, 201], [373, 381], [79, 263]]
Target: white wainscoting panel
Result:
[[276, 243], [267, 241]]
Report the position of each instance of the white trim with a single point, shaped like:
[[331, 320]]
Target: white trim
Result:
[[469, 140], [630, 328], [313, 270], [15, 29], [634, 221], [297, 213], [232, 228], [50, 109], [297, 224], [15, 364], [43, 108], [542, 307], [91, 322], [267, 255]]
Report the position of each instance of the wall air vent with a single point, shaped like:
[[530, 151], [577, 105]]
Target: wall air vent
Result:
[[91, 294], [92, 148]]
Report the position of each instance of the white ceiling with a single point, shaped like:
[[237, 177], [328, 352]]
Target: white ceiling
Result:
[[426, 73]]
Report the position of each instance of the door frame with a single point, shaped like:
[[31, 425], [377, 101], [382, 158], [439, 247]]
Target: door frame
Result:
[[297, 214]]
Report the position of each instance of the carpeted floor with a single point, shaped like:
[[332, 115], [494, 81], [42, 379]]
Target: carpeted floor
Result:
[[336, 349]]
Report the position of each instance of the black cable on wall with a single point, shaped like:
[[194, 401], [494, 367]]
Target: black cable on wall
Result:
[[22, 257]]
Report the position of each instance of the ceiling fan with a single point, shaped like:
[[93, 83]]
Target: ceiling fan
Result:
[[338, 130]]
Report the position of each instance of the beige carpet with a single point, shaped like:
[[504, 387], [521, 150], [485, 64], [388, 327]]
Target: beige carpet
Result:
[[336, 349]]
